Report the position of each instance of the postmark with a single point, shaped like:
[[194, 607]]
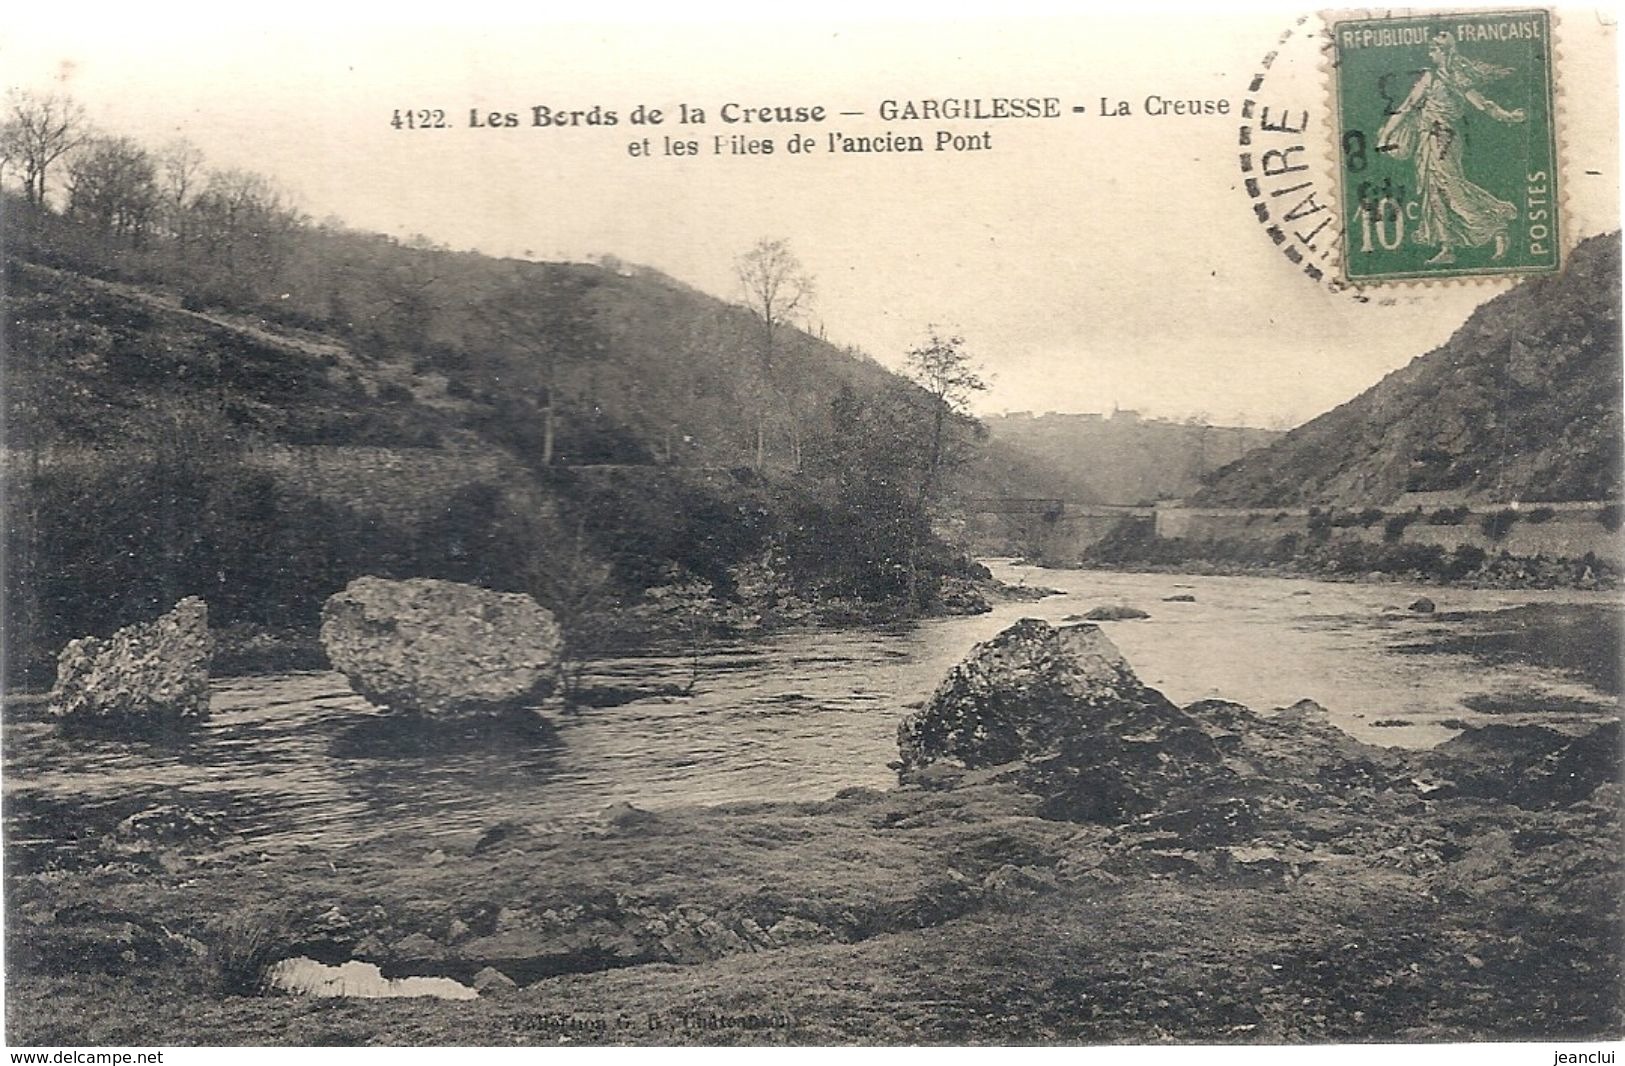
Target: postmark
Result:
[[1446, 145], [1285, 172]]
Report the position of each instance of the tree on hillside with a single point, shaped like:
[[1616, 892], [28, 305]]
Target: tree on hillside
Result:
[[1200, 423], [862, 464], [776, 288], [538, 324], [948, 377], [244, 222], [113, 185], [180, 172], [38, 130], [404, 301]]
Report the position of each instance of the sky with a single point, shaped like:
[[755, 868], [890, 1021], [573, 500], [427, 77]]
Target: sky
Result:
[[1088, 261]]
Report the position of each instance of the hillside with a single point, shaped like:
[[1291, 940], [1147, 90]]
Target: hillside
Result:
[[1122, 459], [1522, 403], [260, 428], [400, 343]]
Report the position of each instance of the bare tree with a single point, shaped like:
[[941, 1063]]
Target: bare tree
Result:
[[564, 576], [8, 150], [949, 377], [112, 184], [243, 221], [180, 172], [39, 129], [776, 288]]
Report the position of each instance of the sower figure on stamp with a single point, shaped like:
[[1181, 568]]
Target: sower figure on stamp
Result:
[[1455, 212]]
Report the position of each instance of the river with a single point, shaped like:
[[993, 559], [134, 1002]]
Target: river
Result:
[[296, 760]]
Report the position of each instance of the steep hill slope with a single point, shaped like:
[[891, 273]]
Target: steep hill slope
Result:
[[1522, 403], [636, 368], [581, 432]]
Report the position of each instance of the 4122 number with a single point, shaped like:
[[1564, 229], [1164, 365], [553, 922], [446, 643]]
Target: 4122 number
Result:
[[420, 119]]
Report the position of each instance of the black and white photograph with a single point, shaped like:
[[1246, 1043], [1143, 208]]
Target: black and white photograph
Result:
[[886, 527]]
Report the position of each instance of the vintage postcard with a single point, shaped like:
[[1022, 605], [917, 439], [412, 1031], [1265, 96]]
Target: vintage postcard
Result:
[[848, 528]]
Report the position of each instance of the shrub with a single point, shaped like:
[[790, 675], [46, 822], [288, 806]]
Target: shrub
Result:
[[1351, 557], [1410, 558], [1497, 524], [1539, 515], [1464, 560], [1609, 517], [1394, 528], [1448, 516], [394, 392], [242, 948]]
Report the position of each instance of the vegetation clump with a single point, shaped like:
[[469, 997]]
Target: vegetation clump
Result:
[[1499, 523], [1133, 544]]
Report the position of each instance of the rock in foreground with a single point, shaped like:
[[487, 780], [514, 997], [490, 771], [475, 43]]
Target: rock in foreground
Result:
[[1063, 712], [1018, 695], [437, 648], [154, 674]]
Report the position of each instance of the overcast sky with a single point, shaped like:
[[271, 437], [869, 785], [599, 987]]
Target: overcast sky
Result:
[[1087, 260]]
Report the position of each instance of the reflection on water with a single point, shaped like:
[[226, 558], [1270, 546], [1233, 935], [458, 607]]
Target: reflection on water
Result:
[[298, 760]]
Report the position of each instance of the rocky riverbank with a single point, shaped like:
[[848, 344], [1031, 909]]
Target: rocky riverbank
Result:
[[1067, 857], [244, 649], [1233, 559]]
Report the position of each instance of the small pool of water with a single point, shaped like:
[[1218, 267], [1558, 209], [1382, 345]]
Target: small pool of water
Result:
[[357, 980]]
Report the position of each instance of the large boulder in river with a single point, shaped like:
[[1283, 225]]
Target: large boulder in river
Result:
[[1067, 709], [143, 677], [438, 648], [1020, 694]]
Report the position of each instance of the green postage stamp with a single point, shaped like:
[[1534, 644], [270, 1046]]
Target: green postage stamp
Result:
[[1446, 144]]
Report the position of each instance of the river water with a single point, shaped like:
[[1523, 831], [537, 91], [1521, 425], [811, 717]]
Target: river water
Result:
[[297, 760]]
